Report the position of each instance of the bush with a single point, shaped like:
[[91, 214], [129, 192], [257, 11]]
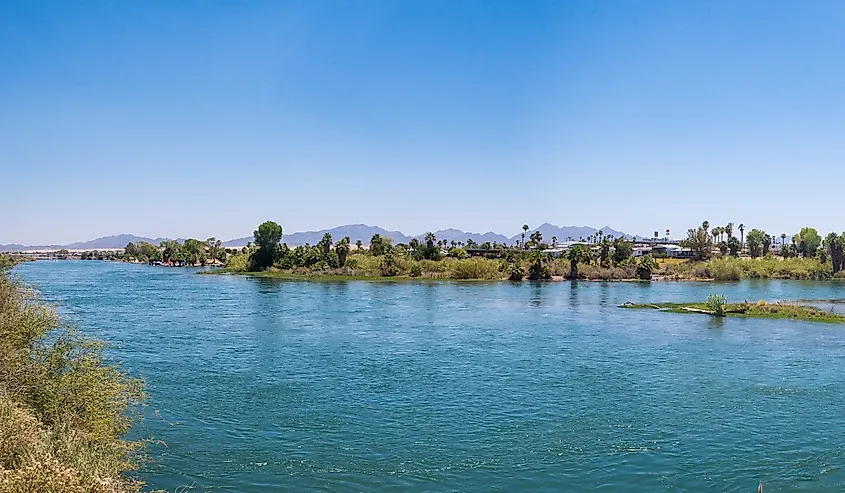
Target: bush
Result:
[[458, 253], [63, 411], [237, 263], [388, 266], [716, 304], [416, 270], [475, 268], [725, 270]]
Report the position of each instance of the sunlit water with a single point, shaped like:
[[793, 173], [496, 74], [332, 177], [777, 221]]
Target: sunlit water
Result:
[[257, 385]]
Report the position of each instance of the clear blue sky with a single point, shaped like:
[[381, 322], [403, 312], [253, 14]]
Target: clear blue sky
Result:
[[205, 118]]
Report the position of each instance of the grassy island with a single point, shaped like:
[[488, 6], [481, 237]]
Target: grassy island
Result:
[[717, 306]]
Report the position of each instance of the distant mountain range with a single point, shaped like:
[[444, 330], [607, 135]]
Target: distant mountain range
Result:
[[355, 232]]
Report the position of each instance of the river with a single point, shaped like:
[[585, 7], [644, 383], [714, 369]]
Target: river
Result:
[[258, 385]]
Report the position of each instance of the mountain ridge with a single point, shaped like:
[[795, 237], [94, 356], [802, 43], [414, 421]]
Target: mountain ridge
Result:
[[355, 232]]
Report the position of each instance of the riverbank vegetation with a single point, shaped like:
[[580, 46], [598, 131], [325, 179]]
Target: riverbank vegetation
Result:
[[710, 253], [718, 306], [191, 252], [8, 261], [431, 258], [63, 409]]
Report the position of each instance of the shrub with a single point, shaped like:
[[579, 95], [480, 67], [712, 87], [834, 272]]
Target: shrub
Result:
[[458, 253], [416, 270], [475, 268], [725, 269], [716, 304], [237, 263], [645, 267], [63, 411], [433, 265]]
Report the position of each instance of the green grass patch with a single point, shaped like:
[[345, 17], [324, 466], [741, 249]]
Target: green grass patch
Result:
[[760, 309]]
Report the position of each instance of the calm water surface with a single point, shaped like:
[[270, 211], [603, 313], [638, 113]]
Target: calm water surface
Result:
[[258, 385]]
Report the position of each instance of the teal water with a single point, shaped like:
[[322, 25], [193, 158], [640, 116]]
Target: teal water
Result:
[[258, 385]]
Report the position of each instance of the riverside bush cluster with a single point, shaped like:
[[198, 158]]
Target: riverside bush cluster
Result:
[[733, 269], [63, 409]]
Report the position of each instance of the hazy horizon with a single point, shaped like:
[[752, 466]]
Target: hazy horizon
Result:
[[194, 119]]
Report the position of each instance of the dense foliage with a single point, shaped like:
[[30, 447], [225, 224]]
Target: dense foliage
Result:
[[63, 409]]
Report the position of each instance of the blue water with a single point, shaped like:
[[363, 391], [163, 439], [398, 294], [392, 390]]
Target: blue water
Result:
[[258, 385]]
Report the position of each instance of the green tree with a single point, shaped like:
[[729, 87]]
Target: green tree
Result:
[[808, 242], [539, 268], [645, 267], [325, 244], [767, 244], [431, 250], [698, 240], [379, 245], [388, 266], [131, 250], [741, 234], [734, 246], [577, 254], [833, 244], [756, 239], [172, 251], [194, 251], [267, 237], [342, 250], [524, 230], [604, 253], [622, 250]]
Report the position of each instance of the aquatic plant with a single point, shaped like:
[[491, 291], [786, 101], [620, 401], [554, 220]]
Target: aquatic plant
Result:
[[716, 304]]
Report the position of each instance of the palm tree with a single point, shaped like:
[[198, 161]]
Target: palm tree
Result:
[[554, 241], [430, 239], [578, 253], [705, 225], [342, 251], [524, 230], [729, 230], [782, 239], [716, 233], [359, 245], [741, 234]]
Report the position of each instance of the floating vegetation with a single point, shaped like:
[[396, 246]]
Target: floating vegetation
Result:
[[761, 309]]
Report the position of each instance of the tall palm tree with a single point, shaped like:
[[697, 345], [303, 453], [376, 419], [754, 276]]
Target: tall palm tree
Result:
[[524, 230], [705, 225], [430, 239], [741, 234], [729, 230], [782, 239]]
